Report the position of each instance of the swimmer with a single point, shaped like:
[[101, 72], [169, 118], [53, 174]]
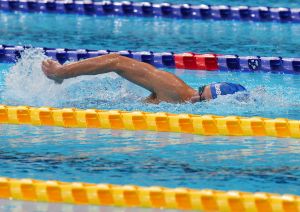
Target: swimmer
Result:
[[164, 86]]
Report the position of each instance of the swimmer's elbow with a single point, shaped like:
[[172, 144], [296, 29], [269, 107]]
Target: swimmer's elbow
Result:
[[115, 62]]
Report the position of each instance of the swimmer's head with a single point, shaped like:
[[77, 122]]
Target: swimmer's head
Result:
[[212, 91], [224, 88]]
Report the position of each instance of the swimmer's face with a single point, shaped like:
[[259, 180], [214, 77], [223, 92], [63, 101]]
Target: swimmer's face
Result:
[[204, 94]]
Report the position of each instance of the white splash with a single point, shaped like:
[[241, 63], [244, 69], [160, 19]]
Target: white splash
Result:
[[26, 84]]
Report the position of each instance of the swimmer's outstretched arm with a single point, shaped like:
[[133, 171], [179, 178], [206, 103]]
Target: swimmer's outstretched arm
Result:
[[92, 66], [166, 86]]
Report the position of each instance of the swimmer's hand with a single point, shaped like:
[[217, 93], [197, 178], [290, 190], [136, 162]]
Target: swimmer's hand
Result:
[[51, 70]]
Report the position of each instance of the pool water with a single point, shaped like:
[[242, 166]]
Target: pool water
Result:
[[155, 34], [149, 158]]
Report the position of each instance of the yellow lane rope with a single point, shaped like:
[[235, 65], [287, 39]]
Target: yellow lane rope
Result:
[[163, 122], [149, 197]]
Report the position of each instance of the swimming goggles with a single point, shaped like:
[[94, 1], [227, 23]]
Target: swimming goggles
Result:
[[200, 92]]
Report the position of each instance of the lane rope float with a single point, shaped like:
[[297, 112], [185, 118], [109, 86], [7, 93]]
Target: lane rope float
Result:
[[148, 197], [161, 121], [148, 9], [189, 60]]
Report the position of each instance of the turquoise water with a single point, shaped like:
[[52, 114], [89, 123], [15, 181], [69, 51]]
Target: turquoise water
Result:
[[148, 158], [155, 34]]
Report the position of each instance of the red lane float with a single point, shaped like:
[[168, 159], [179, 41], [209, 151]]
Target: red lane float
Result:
[[194, 61]]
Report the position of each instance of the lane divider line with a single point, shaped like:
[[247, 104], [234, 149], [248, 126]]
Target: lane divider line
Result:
[[162, 122], [146, 197], [188, 60]]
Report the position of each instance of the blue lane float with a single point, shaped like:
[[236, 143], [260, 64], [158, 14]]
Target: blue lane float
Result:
[[148, 9], [10, 54], [192, 61]]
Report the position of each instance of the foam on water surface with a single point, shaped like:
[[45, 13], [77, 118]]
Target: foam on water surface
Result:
[[26, 84]]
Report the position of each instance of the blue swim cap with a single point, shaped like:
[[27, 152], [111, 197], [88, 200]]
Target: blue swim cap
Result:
[[224, 88]]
